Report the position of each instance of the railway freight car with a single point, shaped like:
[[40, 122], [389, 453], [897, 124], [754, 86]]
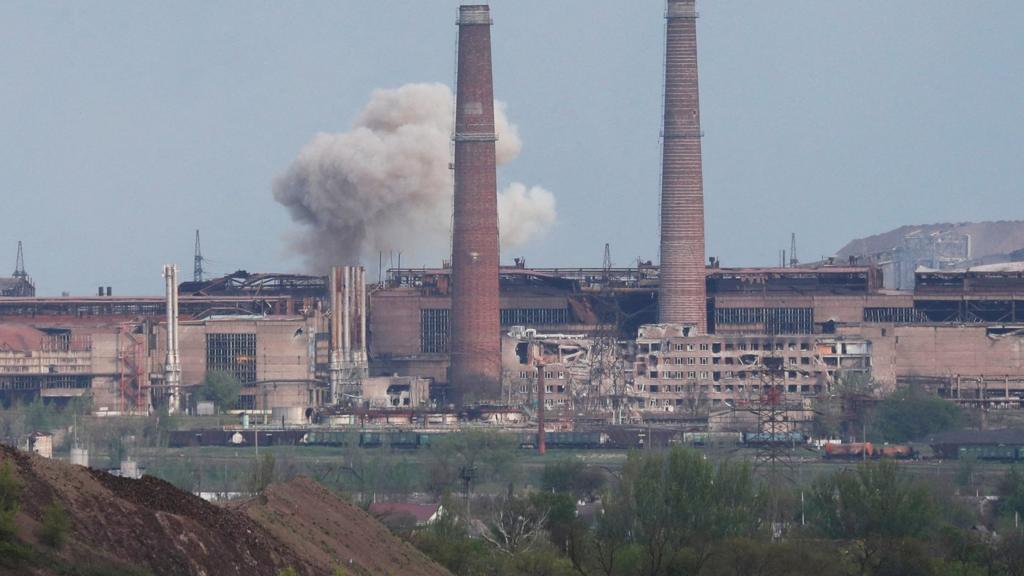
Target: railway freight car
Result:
[[991, 452], [779, 438], [712, 438], [567, 440], [851, 451], [895, 451]]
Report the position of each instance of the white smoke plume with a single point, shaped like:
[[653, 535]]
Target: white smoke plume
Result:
[[524, 213], [385, 184]]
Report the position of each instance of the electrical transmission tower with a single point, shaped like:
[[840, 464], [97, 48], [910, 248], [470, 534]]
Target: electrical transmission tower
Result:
[[19, 265], [197, 268], [792, 250]]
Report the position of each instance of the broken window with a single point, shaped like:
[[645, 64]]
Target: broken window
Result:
[[232, 353], [434, 329], [534, 316]]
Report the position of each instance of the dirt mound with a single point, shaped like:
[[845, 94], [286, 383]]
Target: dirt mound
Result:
[[150, 525], [328, 532], [987, 238]]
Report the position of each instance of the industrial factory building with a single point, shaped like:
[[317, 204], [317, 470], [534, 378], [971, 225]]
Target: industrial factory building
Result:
[[613, 344]]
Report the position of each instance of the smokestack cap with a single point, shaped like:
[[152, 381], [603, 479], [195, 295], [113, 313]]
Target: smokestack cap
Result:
[[681, 9], [474, 14]]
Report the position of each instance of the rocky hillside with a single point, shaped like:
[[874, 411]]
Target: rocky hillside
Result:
[[147, 526]]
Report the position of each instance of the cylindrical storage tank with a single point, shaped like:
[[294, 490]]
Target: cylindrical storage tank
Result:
[[288, 415], [245, 421], [129, 469], [80, 457]]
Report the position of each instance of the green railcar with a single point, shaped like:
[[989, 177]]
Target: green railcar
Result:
[[371, 439], [991, 452], [404, 440]]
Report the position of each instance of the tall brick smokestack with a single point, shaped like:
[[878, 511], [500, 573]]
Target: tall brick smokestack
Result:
[[682, 295], [475, 345]]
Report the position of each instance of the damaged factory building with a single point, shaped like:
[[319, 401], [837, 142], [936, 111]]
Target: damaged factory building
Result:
[[684, 339]]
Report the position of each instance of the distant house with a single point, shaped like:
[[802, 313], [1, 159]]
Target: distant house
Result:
[[395, 512]]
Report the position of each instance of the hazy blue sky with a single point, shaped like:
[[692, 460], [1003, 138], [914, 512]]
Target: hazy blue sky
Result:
[[126, 125]]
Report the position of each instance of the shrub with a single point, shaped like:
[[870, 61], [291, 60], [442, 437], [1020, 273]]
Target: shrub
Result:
[[54, 530], [10, 501]]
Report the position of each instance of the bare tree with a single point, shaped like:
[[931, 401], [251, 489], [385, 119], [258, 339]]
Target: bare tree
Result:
[[516, 525]]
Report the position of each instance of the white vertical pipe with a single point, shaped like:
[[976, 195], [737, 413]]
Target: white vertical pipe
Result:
[[362, 313], [347, 344]]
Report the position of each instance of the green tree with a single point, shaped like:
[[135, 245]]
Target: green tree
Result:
[[55, 525], [40, 416], [447, 542], [1011, 493], [261, 474], [221, 388], [882, 512], [912, 413], [485, 454], [10, 500], [573, 476], [675, 505], [876, 499]]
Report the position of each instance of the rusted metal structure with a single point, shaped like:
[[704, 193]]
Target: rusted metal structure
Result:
[[682, 295], [475, 343]]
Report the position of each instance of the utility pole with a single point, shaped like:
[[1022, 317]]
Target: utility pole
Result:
[[538, 362], [197, 267]]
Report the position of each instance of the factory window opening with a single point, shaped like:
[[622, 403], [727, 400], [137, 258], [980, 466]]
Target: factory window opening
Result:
[[522, 352], [434, 329], [232, 353], [534, 316]]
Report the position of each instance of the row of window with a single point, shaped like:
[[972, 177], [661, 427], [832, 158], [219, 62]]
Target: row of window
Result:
[[728, 360], [719, 388], [435, 323], [560, 375], [742, 375], [717, 347]]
